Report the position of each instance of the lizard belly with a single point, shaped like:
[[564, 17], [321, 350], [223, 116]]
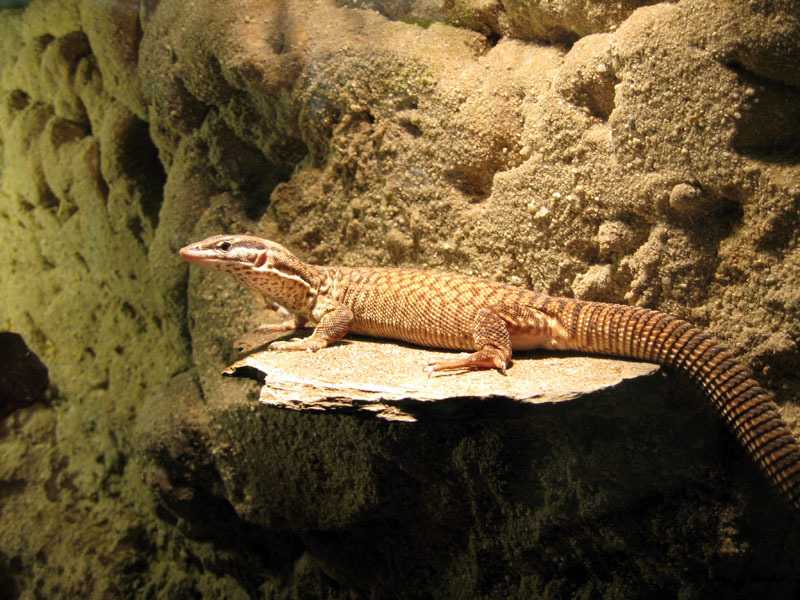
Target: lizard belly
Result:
[[414, 335]]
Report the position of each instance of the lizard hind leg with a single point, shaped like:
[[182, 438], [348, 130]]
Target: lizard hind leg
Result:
[[491, 337]]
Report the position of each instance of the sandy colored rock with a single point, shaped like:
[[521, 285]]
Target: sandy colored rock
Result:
[[566, 20], [648, 156]]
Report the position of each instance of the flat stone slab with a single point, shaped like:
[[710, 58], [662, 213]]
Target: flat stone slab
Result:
[[386, 379]]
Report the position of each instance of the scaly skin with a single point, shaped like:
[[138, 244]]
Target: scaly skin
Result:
[[491, 319]]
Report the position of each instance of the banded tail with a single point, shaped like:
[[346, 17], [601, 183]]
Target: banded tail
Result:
[[653, 336]]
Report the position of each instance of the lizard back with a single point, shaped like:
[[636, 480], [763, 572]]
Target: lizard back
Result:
[[428, 308]]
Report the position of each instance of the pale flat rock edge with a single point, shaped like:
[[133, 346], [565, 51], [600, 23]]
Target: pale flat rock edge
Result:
[[388, 380]]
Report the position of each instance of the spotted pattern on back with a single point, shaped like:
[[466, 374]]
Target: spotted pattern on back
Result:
[[424, 310]]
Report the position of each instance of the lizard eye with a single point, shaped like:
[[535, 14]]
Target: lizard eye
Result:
[[224, 246]]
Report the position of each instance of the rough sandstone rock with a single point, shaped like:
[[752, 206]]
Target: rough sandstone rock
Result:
[[621, 151]]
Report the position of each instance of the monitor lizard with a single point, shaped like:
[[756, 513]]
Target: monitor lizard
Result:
[[491, 319]]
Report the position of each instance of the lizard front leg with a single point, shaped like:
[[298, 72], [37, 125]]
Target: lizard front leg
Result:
[[258, 336], [295, 322], [332, 326]]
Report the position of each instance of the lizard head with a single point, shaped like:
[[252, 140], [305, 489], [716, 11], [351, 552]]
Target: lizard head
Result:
[[257, 263], [231, 253]]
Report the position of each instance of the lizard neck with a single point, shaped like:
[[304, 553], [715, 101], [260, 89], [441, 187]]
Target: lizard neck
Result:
[[294, 284]]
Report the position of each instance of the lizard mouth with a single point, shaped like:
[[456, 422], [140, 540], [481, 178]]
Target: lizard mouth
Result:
[[189, 254]]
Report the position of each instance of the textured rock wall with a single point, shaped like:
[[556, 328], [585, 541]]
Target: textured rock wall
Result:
[[631, 152]]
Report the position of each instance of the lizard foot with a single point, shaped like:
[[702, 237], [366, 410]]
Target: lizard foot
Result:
[[271, 327], [483, 359], [263, 334], [309, 344]]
